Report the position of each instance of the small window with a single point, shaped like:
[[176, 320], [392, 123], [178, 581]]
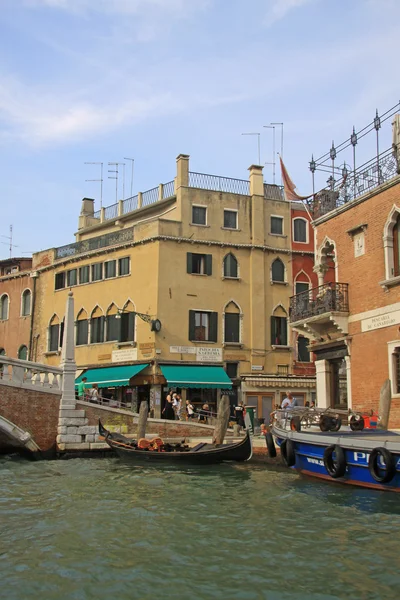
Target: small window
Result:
[[23, 353], [231, 370], [60, 281], [72, 277], [278, 331], [199, 264], [127, 324], [82, 330], [232, 327], [110, 269], [84, 274], [230, 266], [26, 303], [54, 335], [230, 219], [278, 270], [300, 230], [124, 266], [277, 225], [97, 272], [301, 286], [4, 307], [303, 354], [199, 215], [203, 326]]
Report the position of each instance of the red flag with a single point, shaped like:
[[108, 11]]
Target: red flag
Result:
[[288, 185]]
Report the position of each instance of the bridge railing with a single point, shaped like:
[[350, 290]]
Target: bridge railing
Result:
[[30, 375]]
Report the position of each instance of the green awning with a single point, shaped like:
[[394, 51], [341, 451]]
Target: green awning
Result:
[[111, 376], [189, 376]]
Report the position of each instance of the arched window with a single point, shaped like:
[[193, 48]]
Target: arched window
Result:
[[232, 324], [230, 266], [97, 326], [4, 307], [278, 270], [279, 327], [396, 247], [300, 230], [127, 323], [23, 353], [113, 322], [54, 334], [26, 303], [82, 328]]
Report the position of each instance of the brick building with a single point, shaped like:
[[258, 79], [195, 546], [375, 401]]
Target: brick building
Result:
[[354, 319]]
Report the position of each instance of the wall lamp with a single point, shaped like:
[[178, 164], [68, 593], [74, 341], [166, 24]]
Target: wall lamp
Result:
[[155, 324]]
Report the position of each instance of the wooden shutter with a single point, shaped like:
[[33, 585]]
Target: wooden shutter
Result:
[[208, 264], [213, 331], [273, 331], [189, 262], [283, 331], [191, 325]]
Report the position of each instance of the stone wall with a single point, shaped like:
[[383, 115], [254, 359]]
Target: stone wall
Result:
[[35, 411]]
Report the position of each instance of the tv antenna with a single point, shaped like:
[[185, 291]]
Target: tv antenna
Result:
[[101, 179], [9, 243], [115, 176], [132, 161]]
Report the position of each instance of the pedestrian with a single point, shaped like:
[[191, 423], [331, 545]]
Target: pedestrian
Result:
[[189, 410], [288, 401], [239, 414], [94, 394], [312, 404], [168, 410], [203, 413], [81, 388], [178, 407]]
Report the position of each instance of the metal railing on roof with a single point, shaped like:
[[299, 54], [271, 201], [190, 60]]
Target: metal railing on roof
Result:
[[216, 183]]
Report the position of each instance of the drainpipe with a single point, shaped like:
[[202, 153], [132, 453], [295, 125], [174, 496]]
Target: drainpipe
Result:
[[34, 277]]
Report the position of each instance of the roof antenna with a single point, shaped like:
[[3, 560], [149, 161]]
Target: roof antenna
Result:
[[101, 179]]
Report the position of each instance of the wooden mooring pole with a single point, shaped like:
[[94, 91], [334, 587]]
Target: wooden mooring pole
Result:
[[143, 413], [385, 400], [222, 420]]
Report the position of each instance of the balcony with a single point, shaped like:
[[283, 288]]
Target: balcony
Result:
[[320, 311]]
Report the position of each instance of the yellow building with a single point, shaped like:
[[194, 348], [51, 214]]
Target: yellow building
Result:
[[184, 285]]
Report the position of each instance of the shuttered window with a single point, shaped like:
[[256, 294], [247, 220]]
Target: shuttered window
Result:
[[303, 354], [277, 225], [82, 329], [232, 327], [278, 270], [127, 324], [54, 333], [230, 266], [97, 330], [199, 264], [299, 230], [203, 326], [278, 331], [199, 215]]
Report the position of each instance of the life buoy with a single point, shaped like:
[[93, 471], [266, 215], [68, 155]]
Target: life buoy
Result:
[[288, 453], [381, 473], [295, 424], [336, 467], [270, 445]]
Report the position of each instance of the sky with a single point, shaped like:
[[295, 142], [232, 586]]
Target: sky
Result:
[[105, 80]]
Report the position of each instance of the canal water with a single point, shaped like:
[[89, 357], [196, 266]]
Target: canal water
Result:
[[100, 529]]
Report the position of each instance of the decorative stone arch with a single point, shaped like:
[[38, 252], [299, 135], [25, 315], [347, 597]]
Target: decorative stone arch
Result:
[[4, 307], [82, 314], [278, 261], [279, 308], [302, 273], [235, 265], [328, 247], [129, 304], [391, 221], [97, 312], [112, 309], [25, 307]]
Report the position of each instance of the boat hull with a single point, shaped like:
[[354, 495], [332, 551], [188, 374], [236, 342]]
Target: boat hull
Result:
[[309, 451]]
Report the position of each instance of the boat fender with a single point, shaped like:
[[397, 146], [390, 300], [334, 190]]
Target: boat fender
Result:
[[270, 445], [356, 423], [336, 424], [288, 453], [336, 467], [381, 465]]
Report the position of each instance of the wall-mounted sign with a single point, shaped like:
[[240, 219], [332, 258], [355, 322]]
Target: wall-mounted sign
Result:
[[359, 244], [204, 354], [147, 346], [182, 349], [104, 357], [124, 355], [379, 321], [234, 356], [257, 367]]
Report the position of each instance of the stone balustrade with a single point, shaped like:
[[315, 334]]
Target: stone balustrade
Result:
[[30, 375]]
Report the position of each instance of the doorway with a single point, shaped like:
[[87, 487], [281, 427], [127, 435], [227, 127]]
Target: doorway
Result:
[[338, 373]]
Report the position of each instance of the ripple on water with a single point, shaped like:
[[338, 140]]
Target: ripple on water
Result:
[[84, 529]]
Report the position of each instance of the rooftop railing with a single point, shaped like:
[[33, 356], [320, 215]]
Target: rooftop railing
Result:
[[330, 297], [219, 184]]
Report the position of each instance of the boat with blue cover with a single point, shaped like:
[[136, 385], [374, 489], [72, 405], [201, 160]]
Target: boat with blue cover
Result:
[[314, 443]]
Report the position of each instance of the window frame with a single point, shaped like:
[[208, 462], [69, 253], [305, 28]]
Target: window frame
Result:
[[235, 212], [299, 350], [94, 266], [120, 263], [97, 327], [230, 254], [211, 326], [105, 268], [203, 207], [80, 271], [281, 222], [296, 219], [59, 276], [275, 262], [227, 317], [68, 277], [205, 263], [283, 321], [2, 298], [26, 312]]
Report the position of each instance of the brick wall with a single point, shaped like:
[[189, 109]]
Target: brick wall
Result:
[[34, 411]]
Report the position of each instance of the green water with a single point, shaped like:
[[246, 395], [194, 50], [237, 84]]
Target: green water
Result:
[[83, 529]]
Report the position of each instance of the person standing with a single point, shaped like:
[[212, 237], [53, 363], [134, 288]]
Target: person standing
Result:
[[239, 414], [168, 410], [287, 402], [178, 407], [189, 410], [81, 388], [94, 394]]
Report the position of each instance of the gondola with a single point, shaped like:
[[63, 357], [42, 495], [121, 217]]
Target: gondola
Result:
[[158, 452]]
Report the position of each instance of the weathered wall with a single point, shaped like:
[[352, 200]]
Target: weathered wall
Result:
[[34, 411]]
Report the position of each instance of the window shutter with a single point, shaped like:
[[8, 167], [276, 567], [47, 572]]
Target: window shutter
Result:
[[208, 264], [189, 263], [213, 327], [284, 331], [191, 325], [273, 331]]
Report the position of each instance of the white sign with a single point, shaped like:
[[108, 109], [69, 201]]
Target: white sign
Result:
[[182, 349], [392, 318], [359, 244], [124, 355], [257, 367], [209, 354]]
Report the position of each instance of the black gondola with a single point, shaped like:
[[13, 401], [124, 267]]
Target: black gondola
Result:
[[159, 453]]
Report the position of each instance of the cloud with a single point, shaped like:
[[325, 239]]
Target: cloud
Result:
[[280, 8]]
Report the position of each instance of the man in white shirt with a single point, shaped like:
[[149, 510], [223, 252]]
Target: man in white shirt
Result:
[[288, 402]]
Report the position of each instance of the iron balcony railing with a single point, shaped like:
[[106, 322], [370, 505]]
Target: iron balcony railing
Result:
[[330, 297], [95, 243], [215, 183]]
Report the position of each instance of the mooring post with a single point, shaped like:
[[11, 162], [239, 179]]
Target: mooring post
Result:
[[222, 420], [143, 413]]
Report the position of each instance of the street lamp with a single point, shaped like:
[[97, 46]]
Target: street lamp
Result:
[[259, 153], [154, 323]]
